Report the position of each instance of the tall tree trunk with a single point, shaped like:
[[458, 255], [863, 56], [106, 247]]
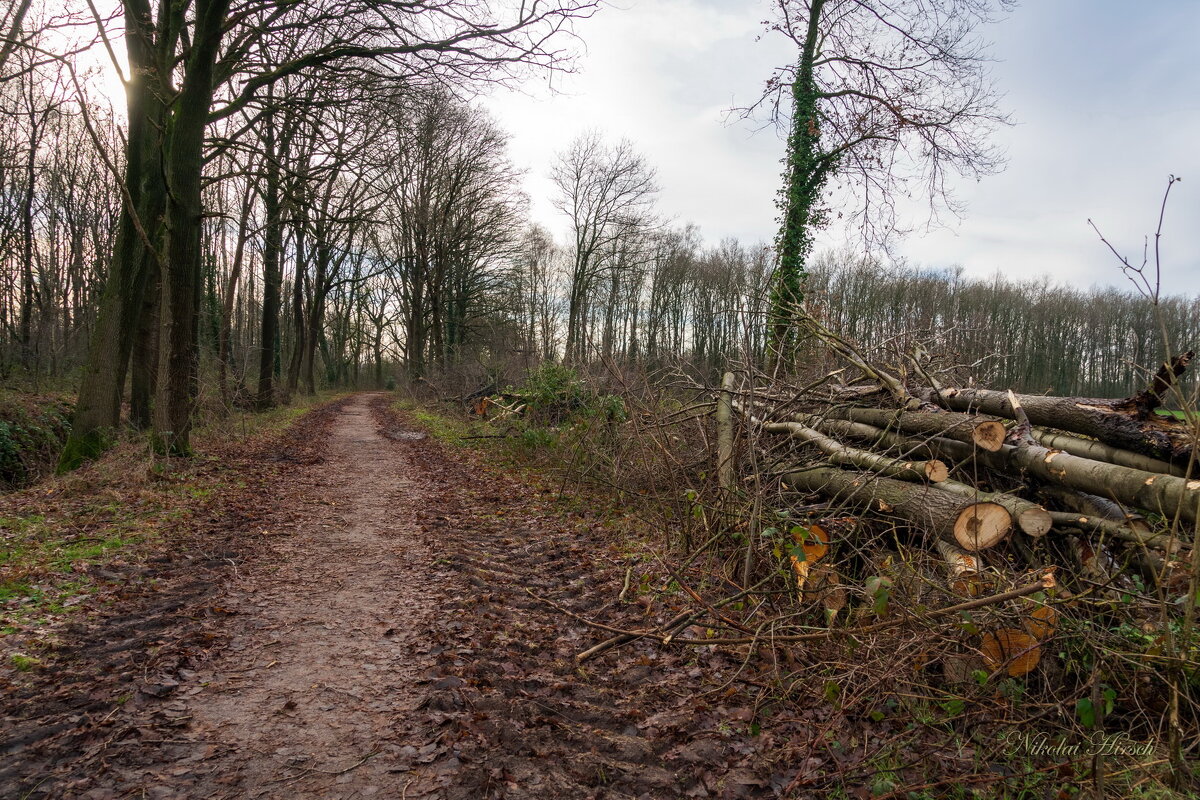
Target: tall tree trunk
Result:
[[316, 316], [98, 409], [298, 323], [144, 364], [377, 350], [227, 307], [25, 325], [178, 364], [272, 274]]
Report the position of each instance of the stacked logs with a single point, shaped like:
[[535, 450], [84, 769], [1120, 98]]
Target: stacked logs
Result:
[[969, 470]]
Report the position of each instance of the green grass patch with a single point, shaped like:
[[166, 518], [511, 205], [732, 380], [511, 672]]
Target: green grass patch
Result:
[[1173, 413], [445, 427], [23, 663], [56, 537]]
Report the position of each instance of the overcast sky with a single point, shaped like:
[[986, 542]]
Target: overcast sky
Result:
[[1106, 95]]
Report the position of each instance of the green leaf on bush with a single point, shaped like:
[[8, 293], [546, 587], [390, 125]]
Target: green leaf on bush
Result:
[[880, 591], [1086, 712]]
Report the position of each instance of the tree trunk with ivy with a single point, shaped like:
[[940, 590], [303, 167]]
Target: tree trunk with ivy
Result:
[[806, 173]]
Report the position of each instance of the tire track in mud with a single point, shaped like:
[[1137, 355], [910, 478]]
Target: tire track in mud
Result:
[[387, 647], [519, 715]]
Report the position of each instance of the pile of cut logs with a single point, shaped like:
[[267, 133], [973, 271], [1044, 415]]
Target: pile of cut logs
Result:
[[968, 469]]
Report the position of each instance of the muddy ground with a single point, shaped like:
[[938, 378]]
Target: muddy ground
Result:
[[372, 627]]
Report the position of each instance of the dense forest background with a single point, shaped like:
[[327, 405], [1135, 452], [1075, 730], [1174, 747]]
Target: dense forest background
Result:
[[388, 227]]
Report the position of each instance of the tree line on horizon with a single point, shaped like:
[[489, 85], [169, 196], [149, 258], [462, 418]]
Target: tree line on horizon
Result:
[[288, 206], [397, 244]]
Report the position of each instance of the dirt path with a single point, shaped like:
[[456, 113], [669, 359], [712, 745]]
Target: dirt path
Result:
[[384, 644], [324, 669]]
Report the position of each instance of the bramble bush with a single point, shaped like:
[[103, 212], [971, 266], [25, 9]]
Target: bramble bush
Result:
[[31, 436]]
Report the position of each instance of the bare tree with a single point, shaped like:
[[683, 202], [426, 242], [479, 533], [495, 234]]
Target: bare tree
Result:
[[449, 220], [180, 58], [534, 290], [606, 192], [886, 97]]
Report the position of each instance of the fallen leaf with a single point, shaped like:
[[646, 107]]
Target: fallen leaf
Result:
[[1013, 647]]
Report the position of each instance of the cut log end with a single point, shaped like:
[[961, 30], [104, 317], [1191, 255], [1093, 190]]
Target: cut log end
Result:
[[936, 471], [989, 435], [982, 525], [1035, 521]]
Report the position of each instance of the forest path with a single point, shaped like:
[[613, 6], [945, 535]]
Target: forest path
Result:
[[324, 669], [375, 634]]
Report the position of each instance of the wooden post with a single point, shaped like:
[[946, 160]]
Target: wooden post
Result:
[[726, 472]]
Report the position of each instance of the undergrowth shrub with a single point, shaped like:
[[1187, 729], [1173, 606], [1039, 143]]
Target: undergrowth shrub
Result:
[[557, 395], [32, 433]]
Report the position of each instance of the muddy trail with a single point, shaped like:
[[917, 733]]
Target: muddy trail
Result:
[[378, 632]]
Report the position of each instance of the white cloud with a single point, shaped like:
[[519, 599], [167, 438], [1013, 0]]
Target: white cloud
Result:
[[662, 74], [1106, 94]]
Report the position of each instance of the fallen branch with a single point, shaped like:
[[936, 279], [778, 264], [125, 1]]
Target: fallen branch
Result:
[[1116, 422], [1029, 516], [844, 455], [1047, 582], [1158, 541], [986, 434], [971, 525]]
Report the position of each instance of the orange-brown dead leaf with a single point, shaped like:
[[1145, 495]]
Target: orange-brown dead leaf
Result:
[[1013, 647], [1041, 622], [814, 540]]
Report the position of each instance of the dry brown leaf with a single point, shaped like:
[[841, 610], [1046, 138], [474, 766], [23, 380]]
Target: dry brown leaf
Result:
[[814, 540], [1013, 647], [1042, 622], [801, 570], [825, 583]]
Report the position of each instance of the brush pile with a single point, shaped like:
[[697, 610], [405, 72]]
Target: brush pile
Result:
[[992, 485]]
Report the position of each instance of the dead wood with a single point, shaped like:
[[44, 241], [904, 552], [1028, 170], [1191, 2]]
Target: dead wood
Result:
[[1099, 451], [1119, 423], [1094, 506], [1168, 373], [844, 455], [726, 469], [1115, 530], [1161, 494], [1029, 516], [987, 434], [962, 568], [971, 525]]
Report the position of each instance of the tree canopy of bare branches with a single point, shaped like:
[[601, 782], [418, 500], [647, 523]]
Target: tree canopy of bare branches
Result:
[[886, 99]]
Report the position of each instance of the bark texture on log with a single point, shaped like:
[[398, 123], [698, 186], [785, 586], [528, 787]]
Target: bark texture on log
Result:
[[861, 431], [1114, 529], [1099, 451], [1094, 506], [962, 568], [1119, 423], [1161, 494], [1151, 397], [1029, 516], [838, 453], [971, 525], [981, 432]]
